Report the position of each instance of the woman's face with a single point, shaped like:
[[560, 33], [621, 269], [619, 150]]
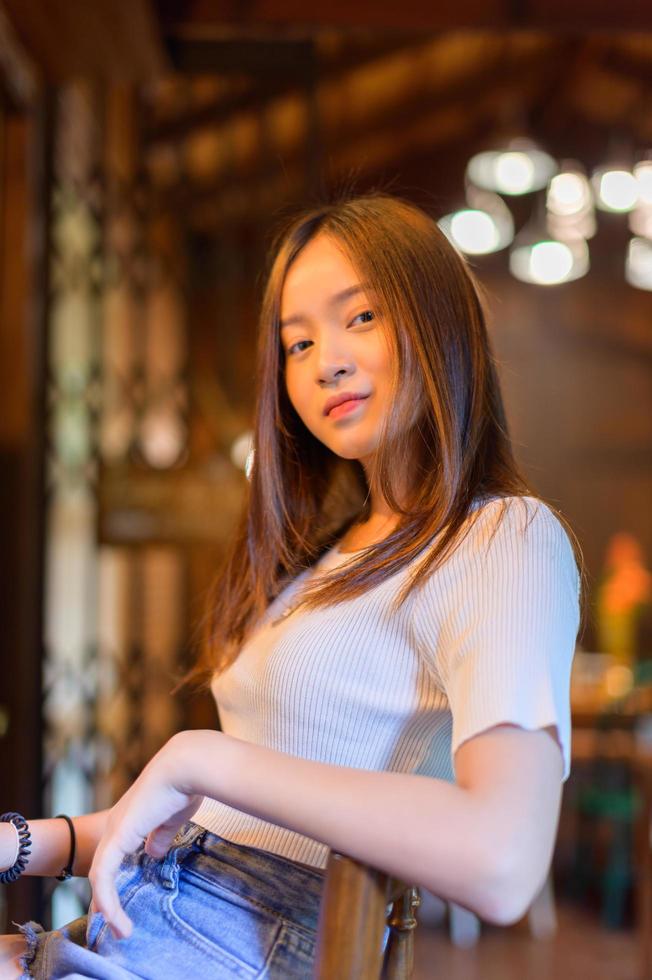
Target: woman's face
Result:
[[335, 344]]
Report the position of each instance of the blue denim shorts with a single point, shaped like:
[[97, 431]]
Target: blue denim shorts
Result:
[[210, 908]]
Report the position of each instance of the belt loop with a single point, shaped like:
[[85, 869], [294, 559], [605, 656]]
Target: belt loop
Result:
[[186, 840]]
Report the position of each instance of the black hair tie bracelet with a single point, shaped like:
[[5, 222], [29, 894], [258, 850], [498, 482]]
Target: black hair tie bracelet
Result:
[[67, 871]]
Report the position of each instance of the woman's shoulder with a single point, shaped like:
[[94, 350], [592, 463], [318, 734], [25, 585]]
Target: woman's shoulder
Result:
[[517, 515], [509, 533], [515, 559]]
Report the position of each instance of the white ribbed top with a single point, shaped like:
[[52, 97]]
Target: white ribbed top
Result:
[[489, 638]]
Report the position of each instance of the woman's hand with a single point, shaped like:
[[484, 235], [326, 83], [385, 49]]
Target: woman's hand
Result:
[[153, 808]]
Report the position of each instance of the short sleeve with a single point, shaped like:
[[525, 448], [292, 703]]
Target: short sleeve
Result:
[[499, 623]]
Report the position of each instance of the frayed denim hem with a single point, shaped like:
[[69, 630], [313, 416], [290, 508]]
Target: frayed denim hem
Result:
[[33, 933], [42, 945]]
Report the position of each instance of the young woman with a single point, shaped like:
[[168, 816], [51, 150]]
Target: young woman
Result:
[[389, 640]]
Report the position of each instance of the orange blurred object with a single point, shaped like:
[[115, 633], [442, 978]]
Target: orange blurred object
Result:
[[625, 588]]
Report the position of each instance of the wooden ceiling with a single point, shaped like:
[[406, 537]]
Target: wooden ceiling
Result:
[[275, 118], [248, 105], [102, 39], [207, 15]]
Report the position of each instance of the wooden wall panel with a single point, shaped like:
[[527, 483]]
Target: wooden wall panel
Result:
[[102, 39], [22, 293], [579, 402]]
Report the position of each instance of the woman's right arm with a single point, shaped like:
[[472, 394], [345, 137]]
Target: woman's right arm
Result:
[[50, 848]]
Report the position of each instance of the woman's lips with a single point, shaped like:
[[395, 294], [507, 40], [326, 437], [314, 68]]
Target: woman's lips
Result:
[[345, 407]]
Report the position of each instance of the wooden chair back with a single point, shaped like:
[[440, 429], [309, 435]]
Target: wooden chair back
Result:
[[357, 903]]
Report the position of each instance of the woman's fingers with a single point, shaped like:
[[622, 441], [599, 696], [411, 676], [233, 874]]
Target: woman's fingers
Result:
[[152, 809], [102, 876]]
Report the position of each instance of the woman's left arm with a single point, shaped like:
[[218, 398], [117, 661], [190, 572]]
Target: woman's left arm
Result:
[[484, 842]]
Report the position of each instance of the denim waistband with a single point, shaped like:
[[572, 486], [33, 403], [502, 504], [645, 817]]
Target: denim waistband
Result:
[[269, 879]]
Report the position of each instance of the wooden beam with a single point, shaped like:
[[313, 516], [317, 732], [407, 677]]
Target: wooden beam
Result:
[[18, 73], [637, 68], [431, 113], [240, 201], [266, 84], [25, 153], [99, 39], [259, 56], [576, 15]]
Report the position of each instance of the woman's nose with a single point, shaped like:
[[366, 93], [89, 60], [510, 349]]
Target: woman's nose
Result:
[[332, 358], [330, 372]]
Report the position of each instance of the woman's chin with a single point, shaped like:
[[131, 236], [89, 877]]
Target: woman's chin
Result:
[[354, 452]]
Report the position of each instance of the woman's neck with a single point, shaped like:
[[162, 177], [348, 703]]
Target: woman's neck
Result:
[[369, 532]]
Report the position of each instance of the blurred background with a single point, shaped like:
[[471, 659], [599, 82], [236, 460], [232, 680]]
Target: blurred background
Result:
[[146, 151]]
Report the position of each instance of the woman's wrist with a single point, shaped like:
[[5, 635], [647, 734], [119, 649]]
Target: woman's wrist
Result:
[[50, 847], [186, 755]]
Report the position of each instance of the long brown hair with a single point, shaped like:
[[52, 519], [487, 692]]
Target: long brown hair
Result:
[[301, 496]]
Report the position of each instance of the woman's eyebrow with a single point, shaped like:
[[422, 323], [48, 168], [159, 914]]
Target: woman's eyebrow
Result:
[[335, 298]]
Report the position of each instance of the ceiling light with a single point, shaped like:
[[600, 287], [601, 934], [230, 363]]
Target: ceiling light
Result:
[[485, 226], [518, 168], [569, 192], [550, 262], [242, 451], [474, 231], [643, 175], [640, 217], [640, 220], [638, 264], [616, 188], [569, 204]]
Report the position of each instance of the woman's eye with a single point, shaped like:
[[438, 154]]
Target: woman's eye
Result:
[[294, 348], [364, 313], [291, 348]]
